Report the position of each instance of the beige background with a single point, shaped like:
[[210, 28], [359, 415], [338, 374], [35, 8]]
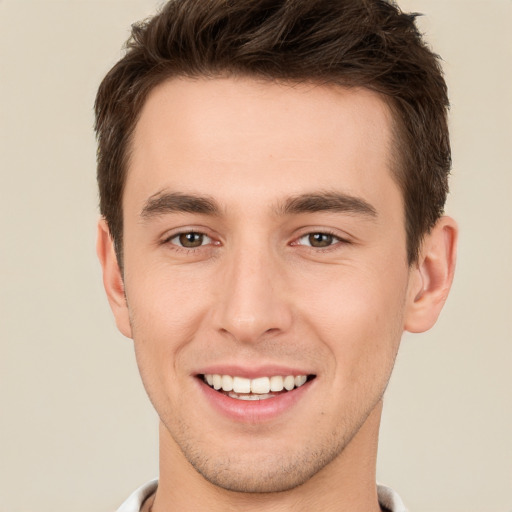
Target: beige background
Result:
[[77, 433]]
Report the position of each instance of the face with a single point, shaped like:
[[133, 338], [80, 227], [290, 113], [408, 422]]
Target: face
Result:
[[263, 238]]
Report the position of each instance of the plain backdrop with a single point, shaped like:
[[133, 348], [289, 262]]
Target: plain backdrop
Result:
[[77, 433]]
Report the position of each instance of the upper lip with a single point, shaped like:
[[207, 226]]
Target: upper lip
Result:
[[252, 371]]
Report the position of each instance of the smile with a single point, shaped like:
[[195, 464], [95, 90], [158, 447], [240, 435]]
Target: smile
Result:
[[260, 388]]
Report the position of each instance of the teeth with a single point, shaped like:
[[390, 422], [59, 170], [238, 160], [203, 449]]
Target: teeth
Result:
[[299, 380], [254, 389], [241, 385], [227, 382], [217, 382], [250, 396], [289, 382], [260, 386], [276, 383]]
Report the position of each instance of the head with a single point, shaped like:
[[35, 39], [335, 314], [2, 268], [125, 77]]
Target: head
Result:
[[272, 176], [351, 43]]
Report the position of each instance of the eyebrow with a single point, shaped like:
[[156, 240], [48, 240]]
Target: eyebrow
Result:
[[327, 202], [176, 202]]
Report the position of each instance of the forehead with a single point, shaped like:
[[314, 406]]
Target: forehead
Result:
[[271, 137]]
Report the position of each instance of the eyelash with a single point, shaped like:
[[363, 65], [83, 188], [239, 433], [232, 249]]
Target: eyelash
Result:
[[181, 248], [336, 241]]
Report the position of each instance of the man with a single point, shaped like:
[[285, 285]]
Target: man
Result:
[[272, 180]]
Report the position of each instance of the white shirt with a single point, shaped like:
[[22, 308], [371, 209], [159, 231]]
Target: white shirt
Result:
[[387, 498]]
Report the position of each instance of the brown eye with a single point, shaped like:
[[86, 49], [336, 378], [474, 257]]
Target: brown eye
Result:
[[191, 240], [320, 239]]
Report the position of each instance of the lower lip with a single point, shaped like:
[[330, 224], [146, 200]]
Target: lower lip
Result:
[[253, 411]]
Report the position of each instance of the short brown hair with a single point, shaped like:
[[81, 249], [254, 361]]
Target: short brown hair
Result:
[[352, 43]]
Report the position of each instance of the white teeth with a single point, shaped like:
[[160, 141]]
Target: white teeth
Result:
[[217, 382], [250, 396], [289, 382], [254, 389], [300, 380], [241, 385], [276, 383], [260, 386], [227, 383]]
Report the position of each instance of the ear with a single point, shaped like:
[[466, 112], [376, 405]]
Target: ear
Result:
[[113, 278], [431, 277]]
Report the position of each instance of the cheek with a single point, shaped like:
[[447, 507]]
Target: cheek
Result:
[[357, 315], [167, 303], [165, 312]]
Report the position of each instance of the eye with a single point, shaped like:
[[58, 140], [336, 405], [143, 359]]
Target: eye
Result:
[[318, 240], [190, 240]]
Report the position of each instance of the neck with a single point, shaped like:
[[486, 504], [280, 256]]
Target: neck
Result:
[[345, 484]]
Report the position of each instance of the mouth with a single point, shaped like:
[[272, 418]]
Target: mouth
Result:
[[260, 388]]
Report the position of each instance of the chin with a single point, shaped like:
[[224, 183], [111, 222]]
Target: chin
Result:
[[268, 473], [255, 480]]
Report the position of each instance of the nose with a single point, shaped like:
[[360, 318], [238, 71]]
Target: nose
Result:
[[252, 301]]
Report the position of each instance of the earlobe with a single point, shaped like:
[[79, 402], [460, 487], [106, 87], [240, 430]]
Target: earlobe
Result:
[[112, 278], [432, 276]]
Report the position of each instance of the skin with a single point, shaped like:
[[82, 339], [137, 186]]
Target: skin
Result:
[[255, 292]]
